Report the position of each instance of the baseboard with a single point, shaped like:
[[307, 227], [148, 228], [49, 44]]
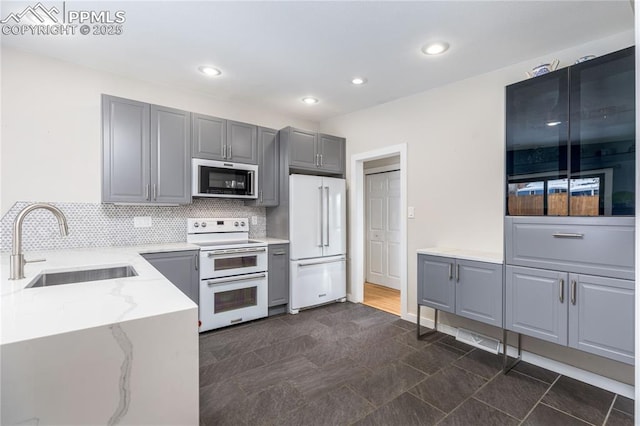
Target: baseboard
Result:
[[550, 364]]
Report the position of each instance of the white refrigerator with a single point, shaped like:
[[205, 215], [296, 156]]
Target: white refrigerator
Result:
[[318, 240]]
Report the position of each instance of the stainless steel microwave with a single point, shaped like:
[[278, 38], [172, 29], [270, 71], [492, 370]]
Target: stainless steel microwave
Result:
[[211, 178]]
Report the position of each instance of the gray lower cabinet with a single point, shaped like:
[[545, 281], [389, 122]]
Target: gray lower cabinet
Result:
[[436, 287], [215, 138], [536, 303], [278, 268], [268, 168], [179, 267], [590, 313], [601, 316], [314, 151], [146, 153], [467, 288]]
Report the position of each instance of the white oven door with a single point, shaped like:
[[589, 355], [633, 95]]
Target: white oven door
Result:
[[232, 300], [223, 263]]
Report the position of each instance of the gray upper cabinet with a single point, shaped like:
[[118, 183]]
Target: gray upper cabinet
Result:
[[171, 156], [268, 168], [242, 143], [278, 274], [224, 140], [536, 303], [436, 286], [332, 153], [179, 267], [479, 291], [209, 137], [601, 316], [146, 153], [125, 150], [303, 149], [315, 152]]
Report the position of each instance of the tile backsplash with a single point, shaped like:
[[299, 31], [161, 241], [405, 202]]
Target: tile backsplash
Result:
[[102, 225]]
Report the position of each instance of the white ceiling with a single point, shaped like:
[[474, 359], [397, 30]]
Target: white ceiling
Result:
[[274, 53]]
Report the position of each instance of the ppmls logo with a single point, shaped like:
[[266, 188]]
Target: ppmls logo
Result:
[[40, 20]]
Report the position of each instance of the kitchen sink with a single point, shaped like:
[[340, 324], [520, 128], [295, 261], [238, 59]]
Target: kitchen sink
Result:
[[48, 279]]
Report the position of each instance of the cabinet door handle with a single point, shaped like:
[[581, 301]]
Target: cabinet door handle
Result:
[[230, 155], [155, 191], [224, 151], [573, 291], [197, 262], [457, 272], [146, 191], [561, 290], [317, 160], [261, 197], [450, 271], [567, 235], [320, 160]]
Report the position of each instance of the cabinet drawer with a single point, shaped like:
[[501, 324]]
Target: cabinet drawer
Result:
[[595, 246]]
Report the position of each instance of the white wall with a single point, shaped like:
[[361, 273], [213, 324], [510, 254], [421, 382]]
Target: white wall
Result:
[[51, 125], [455, 141]]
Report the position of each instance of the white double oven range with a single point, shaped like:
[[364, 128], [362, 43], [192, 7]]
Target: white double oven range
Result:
[[233, 271]]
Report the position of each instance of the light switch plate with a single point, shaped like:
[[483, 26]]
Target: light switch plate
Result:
[[142, 222], [412, 212]]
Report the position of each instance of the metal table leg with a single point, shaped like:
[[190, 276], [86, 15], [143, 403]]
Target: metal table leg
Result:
[[506, 367], [430, 332]]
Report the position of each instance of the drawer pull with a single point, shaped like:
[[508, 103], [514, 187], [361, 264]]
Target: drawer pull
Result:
[[561, 290], [573, 291], [567, 235]]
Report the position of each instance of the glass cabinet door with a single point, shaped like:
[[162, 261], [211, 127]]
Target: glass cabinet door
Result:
[[602, 105], [536, 142]]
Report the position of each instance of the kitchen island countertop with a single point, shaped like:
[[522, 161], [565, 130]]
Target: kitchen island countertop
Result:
[[31, 313]]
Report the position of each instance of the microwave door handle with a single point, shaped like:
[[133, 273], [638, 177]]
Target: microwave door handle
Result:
[[252, 182]]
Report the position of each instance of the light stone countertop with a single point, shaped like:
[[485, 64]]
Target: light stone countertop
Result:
[[270, 240], [479, 256], [31, 313]]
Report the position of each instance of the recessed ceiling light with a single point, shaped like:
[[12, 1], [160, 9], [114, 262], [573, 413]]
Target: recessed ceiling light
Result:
[[309, 100], [435, 48], [358, 80], [210, 71]]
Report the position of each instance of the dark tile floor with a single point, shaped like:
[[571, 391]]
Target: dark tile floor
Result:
[[346, 363]]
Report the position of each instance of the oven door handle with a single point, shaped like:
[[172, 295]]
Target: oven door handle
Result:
[[236, 251], [233, 279]]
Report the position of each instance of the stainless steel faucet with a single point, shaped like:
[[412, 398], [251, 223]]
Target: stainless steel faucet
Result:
[[18, 261]]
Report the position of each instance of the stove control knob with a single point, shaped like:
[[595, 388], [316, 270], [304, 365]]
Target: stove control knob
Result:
[[204, 224], [196, 224], [235, 224], [242, 224]]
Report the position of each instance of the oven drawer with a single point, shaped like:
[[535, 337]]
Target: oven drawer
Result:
[[232, 300], [224, 263], [594, 246]]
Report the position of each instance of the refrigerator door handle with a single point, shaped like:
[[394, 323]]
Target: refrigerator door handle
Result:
[[327, 213], [303, 264], [321, 218]]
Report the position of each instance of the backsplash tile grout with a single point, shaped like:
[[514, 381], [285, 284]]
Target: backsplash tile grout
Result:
[[106, 225]]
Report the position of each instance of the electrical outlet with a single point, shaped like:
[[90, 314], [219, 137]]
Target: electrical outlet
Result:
[[254, 220], [142, 222], [412, 212]]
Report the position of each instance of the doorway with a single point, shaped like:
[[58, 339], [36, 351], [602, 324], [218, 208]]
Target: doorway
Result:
[[396, 155], [382, 234]]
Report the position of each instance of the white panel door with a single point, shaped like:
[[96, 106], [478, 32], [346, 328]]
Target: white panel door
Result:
[[383, 228], [335, 217], [305, 219]]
